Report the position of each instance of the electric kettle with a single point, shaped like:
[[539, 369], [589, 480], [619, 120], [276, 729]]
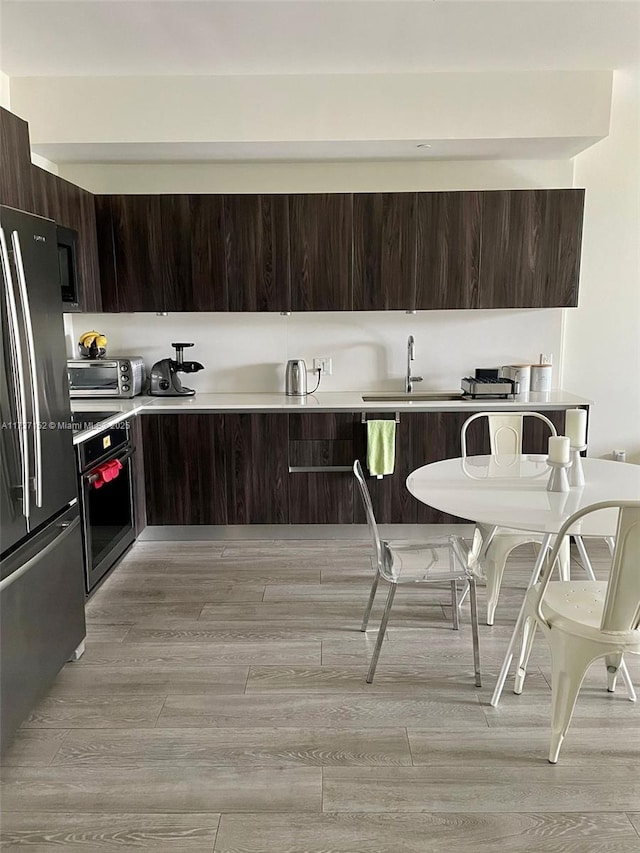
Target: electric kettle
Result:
[[296, 378]]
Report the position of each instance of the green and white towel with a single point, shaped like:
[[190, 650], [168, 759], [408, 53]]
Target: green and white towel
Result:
[[381, 447]]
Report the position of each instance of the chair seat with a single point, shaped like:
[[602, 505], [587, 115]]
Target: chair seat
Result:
[[424, 562], [577, 609]]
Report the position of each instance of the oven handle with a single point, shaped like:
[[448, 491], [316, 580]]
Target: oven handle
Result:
[[91, 478]]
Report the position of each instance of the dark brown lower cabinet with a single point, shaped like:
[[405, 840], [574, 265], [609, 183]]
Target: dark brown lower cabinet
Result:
[[184, 469], [424, 437], [256, 465], [297, 469], [139, 487], [321, 453]]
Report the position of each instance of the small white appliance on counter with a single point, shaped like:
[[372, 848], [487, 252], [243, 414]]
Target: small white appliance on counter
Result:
[[120, 377]]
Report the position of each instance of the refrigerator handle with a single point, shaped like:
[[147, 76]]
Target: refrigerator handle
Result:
[[66, 527], [33, 370], [17, 371]]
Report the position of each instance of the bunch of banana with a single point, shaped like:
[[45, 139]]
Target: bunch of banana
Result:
[[93, 339]]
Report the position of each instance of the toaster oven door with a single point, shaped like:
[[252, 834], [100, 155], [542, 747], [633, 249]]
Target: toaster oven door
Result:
[[92, 379]]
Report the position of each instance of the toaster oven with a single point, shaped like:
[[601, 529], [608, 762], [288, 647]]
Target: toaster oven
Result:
[[106, 377]]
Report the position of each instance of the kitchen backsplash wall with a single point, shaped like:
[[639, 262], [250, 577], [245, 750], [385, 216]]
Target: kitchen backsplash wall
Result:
[[248, 352]]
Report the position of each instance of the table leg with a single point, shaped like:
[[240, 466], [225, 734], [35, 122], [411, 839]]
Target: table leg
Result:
[[542, 553]]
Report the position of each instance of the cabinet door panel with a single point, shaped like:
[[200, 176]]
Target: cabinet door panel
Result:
[[530, 255], [174, 262], [105, 214], [392, 503], [16, 188], [332, 426], [321, 498], [73, 207], [209, 286], [384, 251], [434, 436], [184, 469], [558, 277], [535, 433], [257, 252], [257, 470], [138, 251], [448, 250], [321, 440], [150, 239], [320, 228]]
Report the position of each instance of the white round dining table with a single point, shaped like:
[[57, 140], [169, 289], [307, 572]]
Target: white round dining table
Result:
[[511, 491]]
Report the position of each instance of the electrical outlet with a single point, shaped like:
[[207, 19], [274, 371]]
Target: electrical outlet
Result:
[[546, 358], [324, 365]]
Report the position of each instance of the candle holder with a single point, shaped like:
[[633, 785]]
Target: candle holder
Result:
[[558, 480], [576, 472]]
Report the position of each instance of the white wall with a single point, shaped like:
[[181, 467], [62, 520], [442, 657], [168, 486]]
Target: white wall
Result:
[[296, 108], [357, 176], [602, 348], [247, 352], [5, 91]]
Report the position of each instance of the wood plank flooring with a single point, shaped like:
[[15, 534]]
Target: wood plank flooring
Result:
[[221, 706]]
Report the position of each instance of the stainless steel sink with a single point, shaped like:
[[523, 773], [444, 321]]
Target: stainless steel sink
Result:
[[413, 396]]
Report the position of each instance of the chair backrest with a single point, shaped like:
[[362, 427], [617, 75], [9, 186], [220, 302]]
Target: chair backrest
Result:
[[622, 602], [368, 509], [505, 431]]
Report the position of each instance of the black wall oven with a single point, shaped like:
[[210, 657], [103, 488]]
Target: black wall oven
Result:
[[106, 495]]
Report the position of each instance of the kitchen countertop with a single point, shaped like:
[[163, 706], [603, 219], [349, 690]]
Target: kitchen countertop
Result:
[[321, 402]]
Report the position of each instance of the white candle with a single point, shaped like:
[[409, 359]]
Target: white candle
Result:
[[559, 448], [576, 426]]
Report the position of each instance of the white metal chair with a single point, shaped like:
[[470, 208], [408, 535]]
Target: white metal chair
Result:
[[442, 560], [586, 620], [505, 438]]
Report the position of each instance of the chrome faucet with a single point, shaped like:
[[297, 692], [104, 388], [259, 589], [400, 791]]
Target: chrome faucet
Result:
[[411, 354]]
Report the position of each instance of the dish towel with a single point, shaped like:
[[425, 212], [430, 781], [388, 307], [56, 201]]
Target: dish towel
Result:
[[106, 472], [381, 447]]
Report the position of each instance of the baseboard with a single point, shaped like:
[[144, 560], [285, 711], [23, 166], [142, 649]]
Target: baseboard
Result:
[[210, 532]]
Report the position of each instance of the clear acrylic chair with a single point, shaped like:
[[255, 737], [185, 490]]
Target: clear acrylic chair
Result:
[[505, 438], [441, 560], [586, 620]]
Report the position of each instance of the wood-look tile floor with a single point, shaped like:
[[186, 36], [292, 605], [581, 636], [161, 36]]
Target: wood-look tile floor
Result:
[[221, 705]]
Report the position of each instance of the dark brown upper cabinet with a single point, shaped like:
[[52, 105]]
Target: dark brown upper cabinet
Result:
[[448, 250], [145, 252], [208, 249], [35, 190], [256, 237], [16, 187], [338, 252], [320, 235], [384, 251], [530, 253], [73, 207]]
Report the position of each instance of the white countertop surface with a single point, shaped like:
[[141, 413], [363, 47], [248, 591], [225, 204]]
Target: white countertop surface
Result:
[[321, 402]]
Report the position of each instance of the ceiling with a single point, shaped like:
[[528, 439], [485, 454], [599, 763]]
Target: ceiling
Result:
[[137, 37]]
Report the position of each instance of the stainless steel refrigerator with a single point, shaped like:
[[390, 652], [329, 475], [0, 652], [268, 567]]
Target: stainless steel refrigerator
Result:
[[41, 569]]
